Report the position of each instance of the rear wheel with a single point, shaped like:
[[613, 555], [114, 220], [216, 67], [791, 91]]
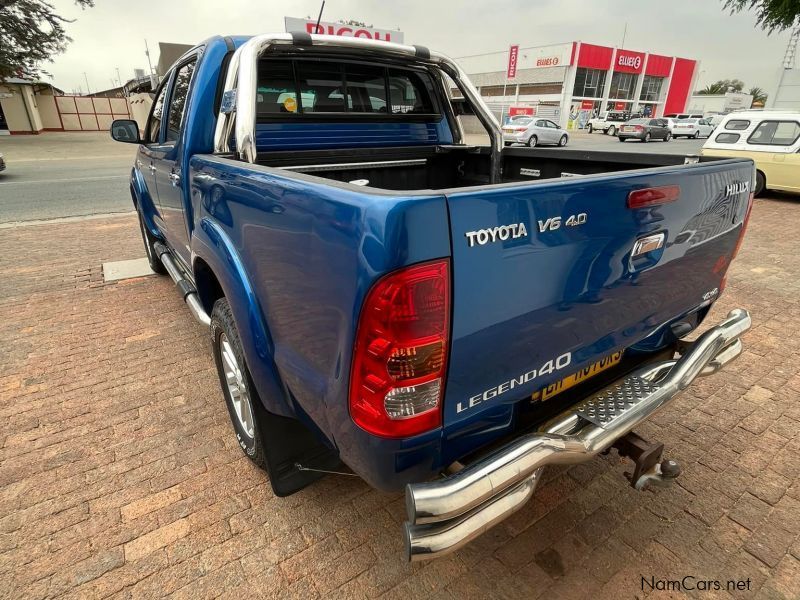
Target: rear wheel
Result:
[[533, 141], [612, 130], [563, 140], [646, 137], [590, 128], [761, 183], [149, 247], [668, 137], [237, 387], [696, 135]]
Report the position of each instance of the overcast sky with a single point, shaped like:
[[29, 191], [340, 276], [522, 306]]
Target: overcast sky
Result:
[[111, 35]]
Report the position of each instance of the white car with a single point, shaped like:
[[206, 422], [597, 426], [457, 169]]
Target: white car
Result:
[[609, 123], [533, 131], [692, 128]]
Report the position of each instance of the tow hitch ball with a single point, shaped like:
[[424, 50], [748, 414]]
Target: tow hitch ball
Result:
[[649, 468]]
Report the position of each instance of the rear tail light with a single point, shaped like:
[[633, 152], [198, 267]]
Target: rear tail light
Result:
[[744, 226], [653, 196], [639, 128], [400, 354]]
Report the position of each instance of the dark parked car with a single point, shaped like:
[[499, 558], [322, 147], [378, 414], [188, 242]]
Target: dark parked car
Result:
[[2, 163], [645, 130]]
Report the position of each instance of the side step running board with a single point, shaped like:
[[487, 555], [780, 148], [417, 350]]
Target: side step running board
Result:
[[185, 287]]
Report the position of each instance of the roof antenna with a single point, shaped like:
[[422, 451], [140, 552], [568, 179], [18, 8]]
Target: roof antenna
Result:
[[319, 18]]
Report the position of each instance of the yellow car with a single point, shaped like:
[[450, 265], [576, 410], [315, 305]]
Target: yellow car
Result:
[[770, 138]]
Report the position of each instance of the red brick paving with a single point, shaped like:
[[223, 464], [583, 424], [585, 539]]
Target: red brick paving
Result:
[[121, 476]]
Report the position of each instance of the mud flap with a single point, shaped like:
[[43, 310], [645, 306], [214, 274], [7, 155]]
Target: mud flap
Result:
[[288, 443]]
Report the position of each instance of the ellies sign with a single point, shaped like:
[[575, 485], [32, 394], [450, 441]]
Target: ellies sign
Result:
[[513, 56], [628, 61], [328, 28]]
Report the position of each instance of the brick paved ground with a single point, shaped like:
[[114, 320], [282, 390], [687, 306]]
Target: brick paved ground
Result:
[[120, 475]]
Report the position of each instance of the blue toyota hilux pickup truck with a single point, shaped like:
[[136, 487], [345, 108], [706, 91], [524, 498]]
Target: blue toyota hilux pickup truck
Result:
[[435, 316]]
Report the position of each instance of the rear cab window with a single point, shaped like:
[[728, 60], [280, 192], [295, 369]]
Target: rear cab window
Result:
[[308, 89]]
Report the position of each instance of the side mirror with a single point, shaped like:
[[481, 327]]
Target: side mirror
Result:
[[125, 130]]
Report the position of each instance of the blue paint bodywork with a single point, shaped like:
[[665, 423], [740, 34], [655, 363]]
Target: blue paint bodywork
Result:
[[295, 255]]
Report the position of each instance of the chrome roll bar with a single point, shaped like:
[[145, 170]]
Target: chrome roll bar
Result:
[[237, 114]]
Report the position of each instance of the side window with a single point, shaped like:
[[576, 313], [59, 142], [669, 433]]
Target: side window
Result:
[[737, 124], [540, 124], [177, 102], [775, 133], [154, 123], [551, 125], [727, 138]]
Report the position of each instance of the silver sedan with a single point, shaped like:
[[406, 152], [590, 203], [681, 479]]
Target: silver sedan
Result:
[[534, 131]]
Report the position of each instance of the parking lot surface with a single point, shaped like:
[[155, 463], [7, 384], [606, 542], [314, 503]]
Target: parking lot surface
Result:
[[120, 475]]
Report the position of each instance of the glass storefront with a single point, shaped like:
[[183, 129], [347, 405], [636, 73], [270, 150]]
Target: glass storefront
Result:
[[589, 83], [651, 88], [623, 86]]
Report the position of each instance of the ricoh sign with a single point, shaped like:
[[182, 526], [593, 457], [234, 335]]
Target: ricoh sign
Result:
[[328, 28]]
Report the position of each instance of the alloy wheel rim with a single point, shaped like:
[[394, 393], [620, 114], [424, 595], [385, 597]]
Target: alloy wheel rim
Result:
[[234, 379]]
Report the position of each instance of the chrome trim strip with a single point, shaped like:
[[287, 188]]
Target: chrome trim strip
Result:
[[440, 511], [242, 79]]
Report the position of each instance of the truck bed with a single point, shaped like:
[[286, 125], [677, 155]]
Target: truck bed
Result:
[[444, 167]]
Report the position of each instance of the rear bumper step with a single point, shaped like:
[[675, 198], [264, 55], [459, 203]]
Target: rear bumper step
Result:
[[185, 286], [445, 514]]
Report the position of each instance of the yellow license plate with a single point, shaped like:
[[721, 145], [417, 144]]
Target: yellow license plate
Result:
[[579, 377]]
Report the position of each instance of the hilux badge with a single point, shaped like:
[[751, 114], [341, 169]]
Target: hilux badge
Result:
[[495, 234], [738, 187]]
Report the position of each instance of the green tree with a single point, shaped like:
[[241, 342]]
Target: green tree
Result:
[[771, 15], [722, 86], [758, 94], [31, 33]]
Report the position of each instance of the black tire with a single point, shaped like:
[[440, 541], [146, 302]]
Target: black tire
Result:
[[533, 141], [696, 135], [149, 247], [621, 139], [563, 141], [223, 329], [761, 184], [612, 131], [589, 128], [646, 137], [668, 137]]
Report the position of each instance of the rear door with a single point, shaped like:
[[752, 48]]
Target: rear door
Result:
[[150, 151], [545, 282]]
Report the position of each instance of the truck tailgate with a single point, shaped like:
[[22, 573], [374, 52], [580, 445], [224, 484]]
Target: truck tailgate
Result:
[[545, 282]]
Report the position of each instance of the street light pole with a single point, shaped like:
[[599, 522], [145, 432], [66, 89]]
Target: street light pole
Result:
[[86, 77], [150, 64]]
